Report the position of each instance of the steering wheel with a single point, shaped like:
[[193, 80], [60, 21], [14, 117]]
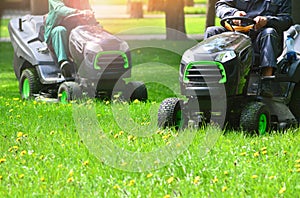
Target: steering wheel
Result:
[[246, 23], [77, 19]]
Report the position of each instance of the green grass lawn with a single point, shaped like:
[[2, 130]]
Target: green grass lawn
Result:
[[45, 153]]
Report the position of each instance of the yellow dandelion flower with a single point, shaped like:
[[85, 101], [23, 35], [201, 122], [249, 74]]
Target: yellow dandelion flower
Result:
[[116, 136], [165, 137], [224, 188], [116, 187], [226, 172], [70, 179], [298, 170], [107, 102], [2, 160], [263, 148], [264, 152], [297, 161], [297, 165], [159, 132], [52, 132], [16, 99], [170, 180], [149, 175], [284, 152], [85, 163], [215, 180], [282, 190], [21, 176], [34, 102], [167, 196], [19, 134], [243, 154], [43, 179], [23, 153], [15, 147], [1, 177], [271, 177], [121, 132], [130, 137], [25, 135], [71, 173], [11, 110], [196, 180], [254, 176], [256, 154], [136, 101], [131, 182], [18, 139]]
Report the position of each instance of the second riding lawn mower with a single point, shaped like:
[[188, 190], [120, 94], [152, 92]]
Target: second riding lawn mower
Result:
[[221, 83], [100, 61]]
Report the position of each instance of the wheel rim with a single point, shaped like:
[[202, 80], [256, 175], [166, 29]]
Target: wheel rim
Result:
[[64, 97], [26, 89], [262, 124]]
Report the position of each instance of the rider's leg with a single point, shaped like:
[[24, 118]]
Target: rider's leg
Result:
[[269, 44], [60, 43]]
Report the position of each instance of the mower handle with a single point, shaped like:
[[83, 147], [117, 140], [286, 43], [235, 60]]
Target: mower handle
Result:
[[227, 23]]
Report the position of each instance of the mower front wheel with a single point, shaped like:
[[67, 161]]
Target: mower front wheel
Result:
[[69, 91], [255, 117], [29, 83], [171, 114]]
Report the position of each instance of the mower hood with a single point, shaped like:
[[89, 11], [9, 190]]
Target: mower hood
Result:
[[209, 49]]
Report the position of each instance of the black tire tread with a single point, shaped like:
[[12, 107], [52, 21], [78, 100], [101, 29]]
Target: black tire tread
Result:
[[249, 120], [34, 82]]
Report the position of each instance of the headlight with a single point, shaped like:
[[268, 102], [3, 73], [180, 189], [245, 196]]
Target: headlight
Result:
[[225, 56], [124, 47], [90, 51]]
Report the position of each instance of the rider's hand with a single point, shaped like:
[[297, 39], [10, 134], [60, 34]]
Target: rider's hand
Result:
[[238, 14], [87, 13], [260, 21]]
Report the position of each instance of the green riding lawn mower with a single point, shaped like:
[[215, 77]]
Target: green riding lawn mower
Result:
[[220, 84]]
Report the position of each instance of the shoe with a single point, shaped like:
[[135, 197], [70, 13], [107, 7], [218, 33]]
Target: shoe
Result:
[[66, 69]]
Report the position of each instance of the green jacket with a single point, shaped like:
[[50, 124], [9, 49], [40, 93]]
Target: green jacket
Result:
[[57, 11]]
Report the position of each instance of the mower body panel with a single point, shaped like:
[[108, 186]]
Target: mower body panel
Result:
[[28, 44]]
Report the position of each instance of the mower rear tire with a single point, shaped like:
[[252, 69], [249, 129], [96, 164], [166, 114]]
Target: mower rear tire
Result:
[[136, 91], [69, 91], [29, 83], [171, 114], [295, 102], [255, 117]]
